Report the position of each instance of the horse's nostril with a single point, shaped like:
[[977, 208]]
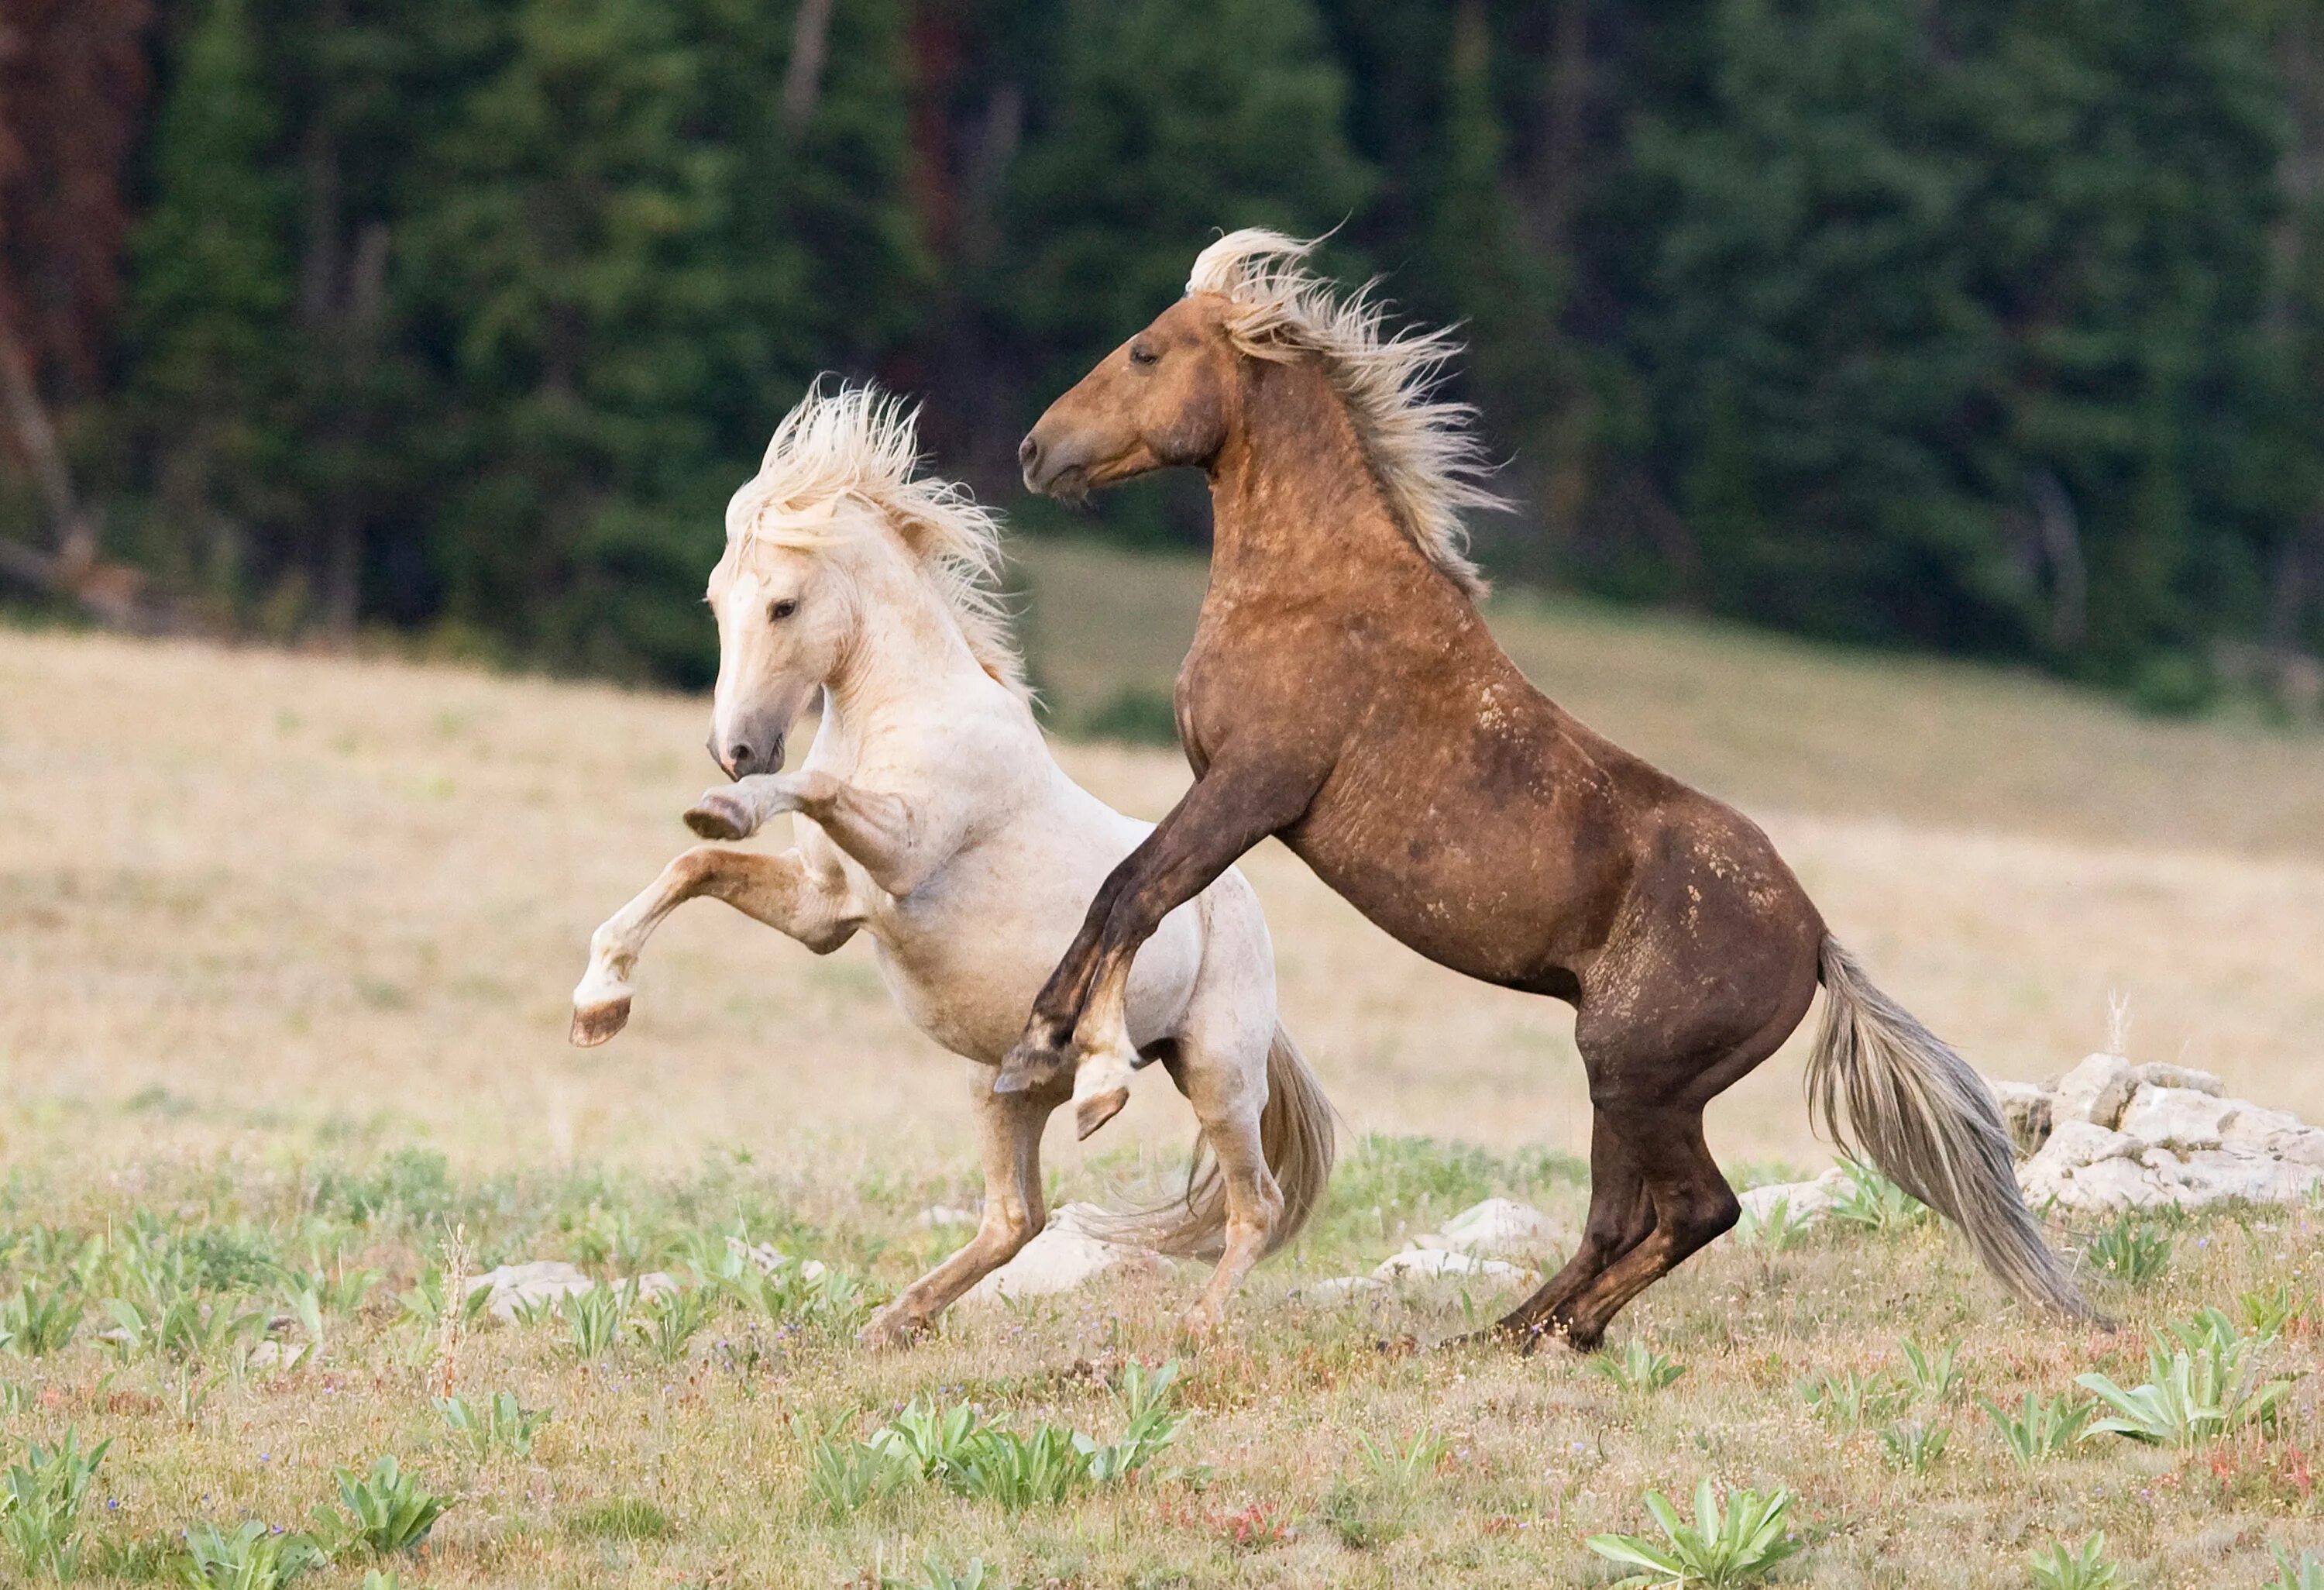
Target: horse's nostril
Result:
[[741, 757], [1027, 450]]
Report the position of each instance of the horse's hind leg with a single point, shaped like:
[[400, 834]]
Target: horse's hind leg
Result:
[[1693, 1206], [1621, 1214], [1009, 1141], [1227, 1086]]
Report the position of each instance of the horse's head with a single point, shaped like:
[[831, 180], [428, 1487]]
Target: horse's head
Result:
[[1164, 398], [785, 612]]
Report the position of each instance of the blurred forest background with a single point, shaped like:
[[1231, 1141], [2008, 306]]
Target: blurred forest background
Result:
[[1992, 327]]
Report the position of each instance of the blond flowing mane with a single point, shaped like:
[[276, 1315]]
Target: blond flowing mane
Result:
[[860, 441], [1423, 449]]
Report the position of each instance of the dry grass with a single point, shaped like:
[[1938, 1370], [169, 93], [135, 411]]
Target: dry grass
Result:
[[266, 921]]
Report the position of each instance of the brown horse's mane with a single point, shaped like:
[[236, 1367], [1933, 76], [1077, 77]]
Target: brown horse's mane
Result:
[[1423, 449], [860, 441]]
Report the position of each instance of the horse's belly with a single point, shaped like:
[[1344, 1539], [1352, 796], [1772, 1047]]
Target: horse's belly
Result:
[[964, 961]]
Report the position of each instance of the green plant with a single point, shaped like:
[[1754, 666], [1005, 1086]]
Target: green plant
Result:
[[1914, 1444], [1638, 1369], [1778, 1230], [790, 1290], [36, 1320], [1018, 1470], [499, 1424], [1932, 1376], [670, 1319], [2306, 1573], [1740, 1543], [2057, 1569], [40, 1508], [2190, 1396], [939, 1576], [2040, 1430], [847, 1475], [388, 1510], [2272, 1310], [937, 1443], [1853, 1400], [1150, 1427], [593, 1319], [1404, 1466], [2135, 1253], [250, 1557], [1873, 1203], [182, 1326]]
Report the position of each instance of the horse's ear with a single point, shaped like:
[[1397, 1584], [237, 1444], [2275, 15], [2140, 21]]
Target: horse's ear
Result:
[[920, 532]]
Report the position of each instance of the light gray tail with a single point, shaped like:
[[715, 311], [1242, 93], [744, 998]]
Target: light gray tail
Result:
[[1888, 1090], [1295, 1137]]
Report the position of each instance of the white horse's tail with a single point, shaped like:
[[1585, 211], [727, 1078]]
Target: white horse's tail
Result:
[[1296, 1138]]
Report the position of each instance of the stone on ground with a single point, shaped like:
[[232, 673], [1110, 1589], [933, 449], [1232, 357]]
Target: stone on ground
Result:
[[515, 1287], [1065, 1255], [1443, 1264], [1499, 1228], [2094, 1091]]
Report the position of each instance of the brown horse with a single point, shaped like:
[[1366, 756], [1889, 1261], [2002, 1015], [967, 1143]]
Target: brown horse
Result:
[[1343, 694]]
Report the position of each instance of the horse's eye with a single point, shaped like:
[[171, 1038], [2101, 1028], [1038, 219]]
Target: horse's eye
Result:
[[783, 609], [1139, 354]]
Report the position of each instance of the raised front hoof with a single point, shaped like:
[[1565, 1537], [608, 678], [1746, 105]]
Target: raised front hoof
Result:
[[1034, 1068], [720, 815], [1096, 1110], [593, 1024], [889, 1331]]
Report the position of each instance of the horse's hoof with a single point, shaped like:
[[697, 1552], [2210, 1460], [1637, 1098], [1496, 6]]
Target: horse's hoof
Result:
[[592, 1024], [888, 1332], [719, 815], [1032, 1068], [1198, 1323], [1099, 1108]]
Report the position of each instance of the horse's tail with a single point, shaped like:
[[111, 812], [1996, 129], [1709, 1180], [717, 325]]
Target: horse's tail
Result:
[[1295, 1137], [1914, 1109]]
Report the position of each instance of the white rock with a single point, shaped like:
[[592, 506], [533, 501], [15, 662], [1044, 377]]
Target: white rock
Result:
[[2163, 1074], [1498, 1228], [2026, 1110], [277, 1355], [1337, 1287], [653, 1283], [1064, 1256], [939, 1215], [2178, 1118], [2094, 1091], [514, 1287], [769, 1258], [1805, 1202], [1443, 1264]]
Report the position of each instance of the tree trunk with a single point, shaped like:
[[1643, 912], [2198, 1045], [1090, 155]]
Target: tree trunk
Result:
[[803, 76]]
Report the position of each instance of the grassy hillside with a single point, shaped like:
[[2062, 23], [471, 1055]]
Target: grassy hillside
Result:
[[285, 943]]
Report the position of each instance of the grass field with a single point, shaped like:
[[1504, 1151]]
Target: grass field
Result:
[[284, 948]]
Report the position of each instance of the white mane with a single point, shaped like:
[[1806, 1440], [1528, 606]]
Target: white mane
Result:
[[862, 442], [1427, 457]]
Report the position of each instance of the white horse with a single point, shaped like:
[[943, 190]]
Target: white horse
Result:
[[937, 820]]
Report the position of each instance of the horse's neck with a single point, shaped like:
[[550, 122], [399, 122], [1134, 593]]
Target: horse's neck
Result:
[[1295, 504], [906, 655]]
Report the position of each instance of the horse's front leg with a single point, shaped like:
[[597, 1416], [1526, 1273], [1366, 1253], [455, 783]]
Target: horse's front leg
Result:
[[1009, 1141], [780, 891], [1080, 1011], [882, 832]]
